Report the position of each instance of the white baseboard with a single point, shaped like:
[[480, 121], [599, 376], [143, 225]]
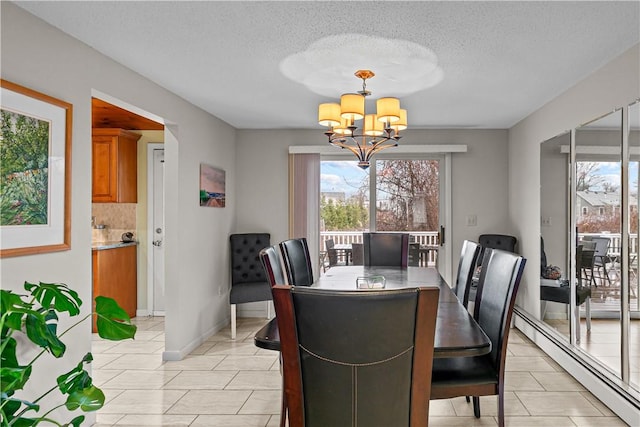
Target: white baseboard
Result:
[[142, 313], [555, 315], [187, 349]]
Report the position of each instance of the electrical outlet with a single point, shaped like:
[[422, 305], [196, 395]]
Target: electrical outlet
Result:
[[472, 220], [545, 221]]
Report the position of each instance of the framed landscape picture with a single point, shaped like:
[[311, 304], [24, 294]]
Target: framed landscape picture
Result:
[[212, 186], [35, 178]]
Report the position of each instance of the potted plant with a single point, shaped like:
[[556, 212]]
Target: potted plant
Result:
[[35, 316]]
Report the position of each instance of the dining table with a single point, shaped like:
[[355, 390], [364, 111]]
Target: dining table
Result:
[[457, 334]]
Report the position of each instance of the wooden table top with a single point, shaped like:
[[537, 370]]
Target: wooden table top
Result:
[[457, 333]]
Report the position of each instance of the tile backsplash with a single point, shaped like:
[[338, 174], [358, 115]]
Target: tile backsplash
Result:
[[117, 217]]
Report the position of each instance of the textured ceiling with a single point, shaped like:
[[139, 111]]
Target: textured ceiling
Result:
[[500, 60]]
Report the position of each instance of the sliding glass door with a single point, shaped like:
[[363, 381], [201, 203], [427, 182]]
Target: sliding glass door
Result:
[[403, 195]]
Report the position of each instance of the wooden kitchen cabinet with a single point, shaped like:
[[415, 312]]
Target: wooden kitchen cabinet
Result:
[[115, 276], [114, 166]]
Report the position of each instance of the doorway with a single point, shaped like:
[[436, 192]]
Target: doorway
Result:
[[108, 112]]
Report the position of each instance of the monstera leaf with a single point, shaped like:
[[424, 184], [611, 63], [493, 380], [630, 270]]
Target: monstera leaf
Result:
[[36, 316], [113, 322]]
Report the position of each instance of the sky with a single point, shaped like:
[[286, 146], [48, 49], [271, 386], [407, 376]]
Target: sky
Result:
[[611, 172], [341, 176], [346, 176]]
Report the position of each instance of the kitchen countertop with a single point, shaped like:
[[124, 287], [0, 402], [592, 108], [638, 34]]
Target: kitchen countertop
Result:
[[111, 245]]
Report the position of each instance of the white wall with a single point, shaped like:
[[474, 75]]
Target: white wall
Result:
[[38, 56], [615, 85]]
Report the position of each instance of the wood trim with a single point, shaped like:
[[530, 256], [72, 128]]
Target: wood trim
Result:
[[292, 382], [423, 355], [66, 240]]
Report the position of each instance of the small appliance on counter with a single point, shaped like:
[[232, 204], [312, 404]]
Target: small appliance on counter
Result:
[[127, 237], [99, 233]]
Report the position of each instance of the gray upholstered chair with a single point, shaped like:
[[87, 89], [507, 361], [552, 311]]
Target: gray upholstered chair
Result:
[[484, 375], [503, 242], [248, 279], [297, 261], [357, 355], [386, 249]]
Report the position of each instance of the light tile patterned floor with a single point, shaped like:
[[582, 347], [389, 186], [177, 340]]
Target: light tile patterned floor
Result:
[[233, 383]]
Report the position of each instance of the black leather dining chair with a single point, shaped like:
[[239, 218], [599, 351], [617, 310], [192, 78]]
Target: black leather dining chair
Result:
[[466, 266], [357, 357], [248, 279], [386, 249], [297, 261], [270, 259], [484, 375], [271, 262]]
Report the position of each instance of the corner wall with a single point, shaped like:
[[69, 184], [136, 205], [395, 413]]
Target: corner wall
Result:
[[40, 57]]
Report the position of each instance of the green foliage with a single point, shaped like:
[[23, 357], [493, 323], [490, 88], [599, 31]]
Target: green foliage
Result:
[[36, 316], [24, 154], [344, 216]]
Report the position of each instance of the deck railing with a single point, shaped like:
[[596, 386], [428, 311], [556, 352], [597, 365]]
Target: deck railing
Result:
[[424, 238]]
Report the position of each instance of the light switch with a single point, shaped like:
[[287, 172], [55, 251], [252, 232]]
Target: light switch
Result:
[[472, 220]]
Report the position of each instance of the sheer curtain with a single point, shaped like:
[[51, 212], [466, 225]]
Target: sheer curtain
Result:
[[304, 202]]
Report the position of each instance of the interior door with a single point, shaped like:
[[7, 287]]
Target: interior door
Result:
[[158, 233]]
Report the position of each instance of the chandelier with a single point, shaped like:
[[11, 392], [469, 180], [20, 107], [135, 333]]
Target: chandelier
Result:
[[377, 131]]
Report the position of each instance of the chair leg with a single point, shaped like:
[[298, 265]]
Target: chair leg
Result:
[[588, 313], [501, 407], [468, 399], [233, 321], [283, 408], [476, 406], [283, 404]]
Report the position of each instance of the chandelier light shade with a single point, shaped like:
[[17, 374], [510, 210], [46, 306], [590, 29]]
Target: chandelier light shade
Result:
[[375, 133]]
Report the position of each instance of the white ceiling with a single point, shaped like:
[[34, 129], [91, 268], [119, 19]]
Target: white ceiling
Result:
[[500, 60]]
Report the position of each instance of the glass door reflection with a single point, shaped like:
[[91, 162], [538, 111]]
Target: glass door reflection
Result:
[[598, 157], [634, 225], [554, 231]]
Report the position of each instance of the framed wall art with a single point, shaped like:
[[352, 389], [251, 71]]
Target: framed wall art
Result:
[[35, 178], [212, 186]]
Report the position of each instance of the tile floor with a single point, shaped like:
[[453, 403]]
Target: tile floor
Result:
[[603, 343], [233, 383]]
